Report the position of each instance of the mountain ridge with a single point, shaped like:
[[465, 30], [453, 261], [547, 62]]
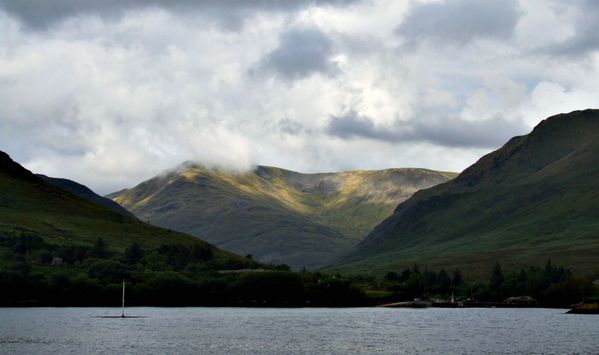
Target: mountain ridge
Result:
[[287, 217], [524, 201]]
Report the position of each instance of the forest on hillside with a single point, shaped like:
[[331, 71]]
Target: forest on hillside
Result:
[[36, 273]]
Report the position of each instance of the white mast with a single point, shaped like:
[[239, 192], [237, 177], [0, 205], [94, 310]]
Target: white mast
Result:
[[123, 313]]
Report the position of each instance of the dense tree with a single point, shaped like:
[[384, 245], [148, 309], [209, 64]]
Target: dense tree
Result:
[[496, 278], [99, 249], [201, 252], [133, 254], [568, 291], [414, 285], [170, 282], [26, 242], [274, 286], [415, 269], [108, 271], [554, 274], [67, 254], [457, 278], [81, 253], [443, 281], [405, 275], [392, 276], [45, 257], [154, 261], [177, 255], [176, 274]]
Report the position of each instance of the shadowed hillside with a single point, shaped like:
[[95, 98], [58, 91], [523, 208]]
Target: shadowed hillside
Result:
[[535, 198], [84, 192], [31, 205], [274, 214]]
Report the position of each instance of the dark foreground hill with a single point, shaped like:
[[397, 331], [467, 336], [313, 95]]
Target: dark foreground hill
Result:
[[535, 198], [84, 192], [276, 215], [29, 204]]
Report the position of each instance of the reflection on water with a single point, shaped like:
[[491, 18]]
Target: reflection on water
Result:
[[307, 330]]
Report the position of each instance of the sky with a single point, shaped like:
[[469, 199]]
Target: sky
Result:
[[110, 93]]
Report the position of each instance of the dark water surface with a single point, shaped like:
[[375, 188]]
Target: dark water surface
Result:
[[307, 330]]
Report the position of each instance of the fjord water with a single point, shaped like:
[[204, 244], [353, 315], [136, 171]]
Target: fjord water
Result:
[[302, 330]]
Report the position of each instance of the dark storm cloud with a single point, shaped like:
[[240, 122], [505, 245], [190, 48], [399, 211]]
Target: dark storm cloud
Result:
[[457, 132], [301, 53], [39, 14], [586, 36], [351, 125], [460, 21], [449, 132]]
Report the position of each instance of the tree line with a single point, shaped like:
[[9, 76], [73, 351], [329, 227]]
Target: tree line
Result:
[[169, 275], [550, 285], [33, 272]]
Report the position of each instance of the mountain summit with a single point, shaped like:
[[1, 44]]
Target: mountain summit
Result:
[[275, 215], [535, 198]]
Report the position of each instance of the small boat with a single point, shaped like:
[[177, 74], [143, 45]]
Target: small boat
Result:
[[122, 309]]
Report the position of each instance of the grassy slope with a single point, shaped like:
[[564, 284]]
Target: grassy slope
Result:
[[276, 215], [536, 197], [29, 203], [85, 193]]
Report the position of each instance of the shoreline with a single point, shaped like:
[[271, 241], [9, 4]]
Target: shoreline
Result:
[[276, 307]]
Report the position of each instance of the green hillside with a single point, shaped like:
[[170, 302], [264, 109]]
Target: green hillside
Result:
[[84, 192], [276, 215], [30, 205], [535, 198], [58, 249]]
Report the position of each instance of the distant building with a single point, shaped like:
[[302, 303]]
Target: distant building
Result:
[[56, 261]]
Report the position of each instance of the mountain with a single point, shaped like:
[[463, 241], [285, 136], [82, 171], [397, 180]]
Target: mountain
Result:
[[28, 203], [84, 192], [276, 215], [535, 198]]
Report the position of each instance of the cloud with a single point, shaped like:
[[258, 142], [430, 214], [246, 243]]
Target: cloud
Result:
[[301, 52], [547, 98], [585, 38], [111, 93], [289, 126], [352, 125], [459, 21], [40, 14], [448, 131]]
